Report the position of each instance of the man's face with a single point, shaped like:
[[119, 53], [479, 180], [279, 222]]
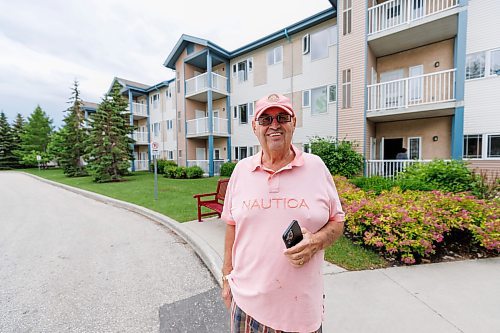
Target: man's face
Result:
[[274, 137]]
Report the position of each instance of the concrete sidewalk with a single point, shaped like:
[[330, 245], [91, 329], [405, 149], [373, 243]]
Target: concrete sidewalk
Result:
[[461, 296]]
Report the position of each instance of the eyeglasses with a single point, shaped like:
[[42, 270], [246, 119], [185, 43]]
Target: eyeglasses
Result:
[[280, 118]]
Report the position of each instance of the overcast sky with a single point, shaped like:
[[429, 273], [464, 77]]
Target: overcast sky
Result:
[[46, 45]]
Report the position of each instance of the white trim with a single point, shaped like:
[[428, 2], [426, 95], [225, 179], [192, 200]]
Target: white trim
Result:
[[308, 99], [306, 44], [328, 93]]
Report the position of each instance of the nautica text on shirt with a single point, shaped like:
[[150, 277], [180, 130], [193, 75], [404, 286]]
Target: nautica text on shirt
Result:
[[275, 203]]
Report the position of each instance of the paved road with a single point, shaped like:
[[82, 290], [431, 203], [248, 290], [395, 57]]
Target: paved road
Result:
[[72, 264]]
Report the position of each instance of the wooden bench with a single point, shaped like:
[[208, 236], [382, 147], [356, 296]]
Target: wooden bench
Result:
[[215, 203]]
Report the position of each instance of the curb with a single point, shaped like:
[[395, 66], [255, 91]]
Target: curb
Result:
[[205, 252]]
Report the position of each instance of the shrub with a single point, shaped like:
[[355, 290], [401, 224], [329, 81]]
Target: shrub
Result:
[[339, 156], [226, 169], [414, 184], [485, 186], [180, 172], [376, 184], [413, 224], [162, 164], [170, 171], [194, 172], [449, 176]]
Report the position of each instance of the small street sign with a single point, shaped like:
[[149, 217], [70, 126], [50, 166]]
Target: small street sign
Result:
[[38, 157], [155, 145]]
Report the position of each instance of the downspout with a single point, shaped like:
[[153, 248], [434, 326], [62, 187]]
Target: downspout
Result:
[[291, 74]]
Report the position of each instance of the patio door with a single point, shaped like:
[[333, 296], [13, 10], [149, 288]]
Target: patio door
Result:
[[415, 85], [201, 122], [216, 121], [392, 92], [201, 154]]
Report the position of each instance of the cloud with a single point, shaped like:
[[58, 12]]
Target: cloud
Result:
[[47, 44]]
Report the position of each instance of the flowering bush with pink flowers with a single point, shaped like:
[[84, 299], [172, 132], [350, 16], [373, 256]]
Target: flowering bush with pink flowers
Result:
[[412, 224]]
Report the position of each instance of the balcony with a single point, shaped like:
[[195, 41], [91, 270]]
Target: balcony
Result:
[[141, 165], [139, 110], [205, 163], [398, 25], [197, 87], [140, 138], [421, 96], [199, 127]]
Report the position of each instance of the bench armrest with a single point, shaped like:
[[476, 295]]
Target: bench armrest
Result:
[[204, 195]]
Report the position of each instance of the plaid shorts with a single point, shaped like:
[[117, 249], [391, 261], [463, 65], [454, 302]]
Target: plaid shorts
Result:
[[243, 323]]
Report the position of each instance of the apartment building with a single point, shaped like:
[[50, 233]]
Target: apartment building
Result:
[[217, 89], [482, 86], [152, 114], [387, 74]]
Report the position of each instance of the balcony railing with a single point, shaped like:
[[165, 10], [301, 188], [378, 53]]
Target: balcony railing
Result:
[[204, 164], [389, 168], [141, 165], [392, 13], [140, 137], [139, 109], [199, 126], [199, 83], [416, 90]]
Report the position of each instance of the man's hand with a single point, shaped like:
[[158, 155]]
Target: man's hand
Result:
[[301, 253], [227, 297]]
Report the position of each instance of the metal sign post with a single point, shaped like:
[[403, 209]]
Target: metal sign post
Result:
[[154, 146], [38, 158]]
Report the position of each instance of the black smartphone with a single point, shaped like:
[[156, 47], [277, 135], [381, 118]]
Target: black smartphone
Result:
[[292, 235]]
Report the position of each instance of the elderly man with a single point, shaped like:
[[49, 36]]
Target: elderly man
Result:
[[267, 287]]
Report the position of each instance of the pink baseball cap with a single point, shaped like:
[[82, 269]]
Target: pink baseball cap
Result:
[[273, 101]]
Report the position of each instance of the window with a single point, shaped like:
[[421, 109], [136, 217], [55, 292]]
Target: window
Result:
[[305, 44], [235, 112], [170, 154], [243, 113], [307, 148], [154, 100], [180, 153], [178, 126], [242, 152], [275, 55], [178, 86], [168, 93], [346, 17], [319, 45], [170, 124], [318, 100], [332, 93], [414, 148], [156, 129], [250, 109], [475, 66], [473, 146], [493, 146], [346, 88], [495, 62], [306, 98], [242, 68]]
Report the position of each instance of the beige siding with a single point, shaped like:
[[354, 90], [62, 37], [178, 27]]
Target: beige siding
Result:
[[424, 128], [352, 56], [292, 53], [259, 69], [490, 169], [429, 56]]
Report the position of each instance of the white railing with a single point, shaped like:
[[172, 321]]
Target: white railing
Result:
[[392, 13], [200, 83], [389, 168], [140, 137], [139, 109], [141, 165], [416, 90], [204, 164], [219, 83], [200, 126]]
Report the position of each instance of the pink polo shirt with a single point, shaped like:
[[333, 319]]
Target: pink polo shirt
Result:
[[261, 204]]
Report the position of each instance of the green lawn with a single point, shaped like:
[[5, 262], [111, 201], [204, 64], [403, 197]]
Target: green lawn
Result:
[[175, 199], [175, 196]]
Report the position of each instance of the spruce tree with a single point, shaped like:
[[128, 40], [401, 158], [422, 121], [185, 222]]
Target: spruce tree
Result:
[[35, 138], [109, 142], [7, 158], [72, 135], [17, 130]]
